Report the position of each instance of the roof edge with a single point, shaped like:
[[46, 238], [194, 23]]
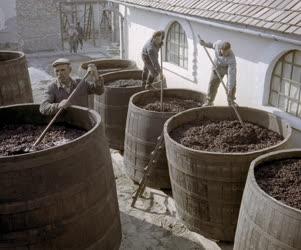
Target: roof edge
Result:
[[247, 29]]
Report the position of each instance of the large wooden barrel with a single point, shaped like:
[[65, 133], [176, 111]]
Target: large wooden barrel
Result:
[[63, 197], [110, 65], [15, 86], [264, 222], [142, 130], [208, 186], [105, 66], [113, 105]]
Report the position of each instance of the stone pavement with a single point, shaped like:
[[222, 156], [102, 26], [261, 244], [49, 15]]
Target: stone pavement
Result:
[[153, 223]]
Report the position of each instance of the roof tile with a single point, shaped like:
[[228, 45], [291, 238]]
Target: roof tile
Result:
[[293, 18], [274, 15], [261, 12], [297, 7], [283, 27], [292, 29], [298, 31]]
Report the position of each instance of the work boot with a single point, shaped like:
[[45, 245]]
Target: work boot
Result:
[[148, 86], [207, 103], [231, 102], [143, 83]]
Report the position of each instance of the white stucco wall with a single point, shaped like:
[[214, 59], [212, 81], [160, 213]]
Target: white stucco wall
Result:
[[8, 29], [255, 56], [7, 11], [8, 7], [2, 19]]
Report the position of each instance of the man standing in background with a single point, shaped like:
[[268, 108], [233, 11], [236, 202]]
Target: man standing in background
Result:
[[80, 32], [73, 39]]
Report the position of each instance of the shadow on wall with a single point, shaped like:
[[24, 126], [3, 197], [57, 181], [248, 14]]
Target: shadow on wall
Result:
[[295, 141]]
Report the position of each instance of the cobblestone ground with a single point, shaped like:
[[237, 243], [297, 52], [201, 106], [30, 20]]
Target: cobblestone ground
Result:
[[152, 224]]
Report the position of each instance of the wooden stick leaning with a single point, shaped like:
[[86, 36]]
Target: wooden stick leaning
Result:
[[233, 104], [147, 170], [37, 142]]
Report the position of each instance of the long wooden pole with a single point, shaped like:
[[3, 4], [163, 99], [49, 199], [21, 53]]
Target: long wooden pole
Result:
[[224, 85], [161, 95], [93, 25], [37, 142], [62, 26]]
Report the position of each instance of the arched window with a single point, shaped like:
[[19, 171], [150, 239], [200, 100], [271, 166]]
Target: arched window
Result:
[[176, 46], [285, 92]]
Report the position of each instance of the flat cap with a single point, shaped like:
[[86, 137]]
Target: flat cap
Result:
[[61, 61]]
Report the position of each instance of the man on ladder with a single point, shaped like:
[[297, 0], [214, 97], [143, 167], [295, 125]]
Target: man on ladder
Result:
[[225, 63], [150, 57]]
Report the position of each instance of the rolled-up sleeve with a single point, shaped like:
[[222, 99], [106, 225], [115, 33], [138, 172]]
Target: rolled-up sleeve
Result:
[[209, 45], [216, 45], [96, 87], [48, 106]]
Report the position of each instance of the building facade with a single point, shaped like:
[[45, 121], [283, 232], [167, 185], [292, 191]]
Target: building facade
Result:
[[38, 25], [268, 59], [8, 25], [43, 25]]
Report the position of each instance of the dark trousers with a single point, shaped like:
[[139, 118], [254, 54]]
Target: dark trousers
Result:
[[213, 87], [149, 73], [73, 46], [80, 41]]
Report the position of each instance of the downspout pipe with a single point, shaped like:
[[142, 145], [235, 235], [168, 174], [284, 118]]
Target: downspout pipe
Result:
[[217, 25]]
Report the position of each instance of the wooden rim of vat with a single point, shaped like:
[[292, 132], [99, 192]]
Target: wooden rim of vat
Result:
[[19, 54], [247, 154], [273, 156], [95, 115], [120, 74], [137, 108], [123, 63]]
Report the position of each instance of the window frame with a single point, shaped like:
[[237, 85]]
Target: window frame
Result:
[[283, 80], [177, 41]]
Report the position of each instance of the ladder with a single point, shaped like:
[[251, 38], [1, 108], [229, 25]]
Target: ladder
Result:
[[68, 15], [66, 23], [147, 170], [74, 12], [88, 15]]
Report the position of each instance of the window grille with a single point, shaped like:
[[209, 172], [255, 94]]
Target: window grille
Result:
[[285, 92], [176, 46]]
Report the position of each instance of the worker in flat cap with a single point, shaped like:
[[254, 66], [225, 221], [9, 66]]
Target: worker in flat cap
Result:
[[150, 55], [59, 90], [225, 63]]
